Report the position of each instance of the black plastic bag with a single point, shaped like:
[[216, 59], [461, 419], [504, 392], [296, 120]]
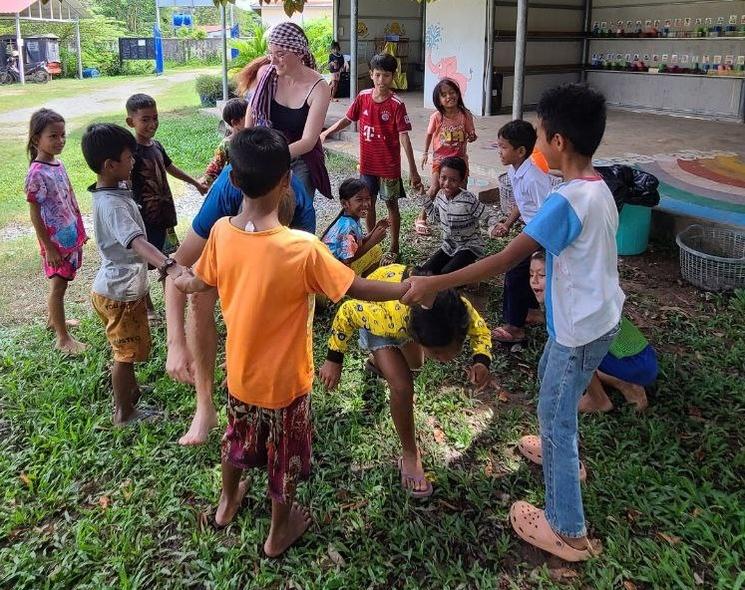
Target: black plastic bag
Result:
[[630, 185]]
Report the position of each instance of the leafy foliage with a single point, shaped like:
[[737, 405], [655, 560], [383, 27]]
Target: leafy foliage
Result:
[[251, 48], [320, 35]]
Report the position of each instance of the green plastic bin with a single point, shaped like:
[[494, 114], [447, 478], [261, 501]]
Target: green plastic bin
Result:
[[632, 236]]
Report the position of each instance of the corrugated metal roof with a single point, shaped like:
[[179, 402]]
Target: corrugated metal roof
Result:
[[13, 6]]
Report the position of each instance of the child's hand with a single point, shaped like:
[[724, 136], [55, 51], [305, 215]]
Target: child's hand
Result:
[[425, 158], [54, 258], [416, 181], [472, 137], [480, 376], [185, 280], [323, 137], [330, 374], [385, 223], [201, 187], [500, 230], [378, 233]]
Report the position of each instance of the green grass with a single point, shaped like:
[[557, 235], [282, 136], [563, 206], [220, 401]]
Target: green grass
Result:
[[88, 506]]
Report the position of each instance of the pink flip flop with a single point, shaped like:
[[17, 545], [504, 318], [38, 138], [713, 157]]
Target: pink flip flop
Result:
[[531, 526], [421, 228], [415, 479], [530, 448]]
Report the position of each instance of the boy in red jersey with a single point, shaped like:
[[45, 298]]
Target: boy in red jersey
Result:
[[384, 127]]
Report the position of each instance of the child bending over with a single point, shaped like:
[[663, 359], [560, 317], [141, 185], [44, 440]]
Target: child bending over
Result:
[[459, 214], [266, 276], [345, 236], [398, 338], [120, 288], [234, 116], [56, 218]]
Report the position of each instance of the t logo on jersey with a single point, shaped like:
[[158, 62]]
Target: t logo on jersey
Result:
[[368, 132]]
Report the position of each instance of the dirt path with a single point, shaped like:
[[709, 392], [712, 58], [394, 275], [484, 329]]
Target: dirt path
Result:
[[100, 101]]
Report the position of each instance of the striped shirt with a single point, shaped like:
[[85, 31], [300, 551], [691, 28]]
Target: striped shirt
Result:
[[459, 220]]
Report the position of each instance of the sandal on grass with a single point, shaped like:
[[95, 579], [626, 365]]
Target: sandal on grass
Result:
[[531, 526], [389, 258], [421, 228], [415, 480], [504, 336], [530, 448]]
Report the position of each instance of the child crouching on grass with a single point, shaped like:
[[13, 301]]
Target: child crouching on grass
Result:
[[345, 237], [398, 338], [120, 288], [266, 275], [56, 218]]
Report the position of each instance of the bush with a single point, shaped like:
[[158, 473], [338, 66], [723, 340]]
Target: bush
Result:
[[209, 89], [320, 33]]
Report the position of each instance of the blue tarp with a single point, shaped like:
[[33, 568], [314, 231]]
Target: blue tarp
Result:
[[158, 50], [235, 32]]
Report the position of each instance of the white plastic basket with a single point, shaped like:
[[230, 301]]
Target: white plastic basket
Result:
[[712, 258]]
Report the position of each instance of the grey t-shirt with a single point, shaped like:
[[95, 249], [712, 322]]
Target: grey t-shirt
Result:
[[116, 222]]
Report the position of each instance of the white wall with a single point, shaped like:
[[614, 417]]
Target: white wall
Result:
[[455, 44], [273, 14]]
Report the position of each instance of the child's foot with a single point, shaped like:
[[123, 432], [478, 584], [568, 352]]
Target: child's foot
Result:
[[589, 404], [228, 507], [508, 334], [70, 346], [635, 394], [280, 539], [413, 479], [534, 318], [199, 431], [389, 258]]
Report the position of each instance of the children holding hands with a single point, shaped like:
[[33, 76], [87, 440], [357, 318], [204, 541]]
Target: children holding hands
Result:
[[384, 127]]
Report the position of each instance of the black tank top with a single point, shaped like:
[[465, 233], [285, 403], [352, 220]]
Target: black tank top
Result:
[[291, 122]]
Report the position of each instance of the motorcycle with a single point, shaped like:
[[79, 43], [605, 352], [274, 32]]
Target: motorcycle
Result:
[[36, 72]]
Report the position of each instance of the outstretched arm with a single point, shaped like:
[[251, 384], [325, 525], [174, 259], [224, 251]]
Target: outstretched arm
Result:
[[368, 290], [176, 172], [340, 125]]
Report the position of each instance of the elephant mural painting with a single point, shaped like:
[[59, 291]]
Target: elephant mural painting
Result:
[[447, 67]]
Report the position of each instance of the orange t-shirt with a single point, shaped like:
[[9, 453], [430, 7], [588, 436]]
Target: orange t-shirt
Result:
[[266, 281], [450, 136]]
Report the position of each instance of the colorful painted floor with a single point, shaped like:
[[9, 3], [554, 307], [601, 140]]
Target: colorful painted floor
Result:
[[704, 185]]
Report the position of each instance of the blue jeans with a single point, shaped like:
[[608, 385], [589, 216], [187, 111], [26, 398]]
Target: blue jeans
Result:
[[564, 374]]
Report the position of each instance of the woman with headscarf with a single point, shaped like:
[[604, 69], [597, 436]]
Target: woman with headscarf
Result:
[[292, 98]]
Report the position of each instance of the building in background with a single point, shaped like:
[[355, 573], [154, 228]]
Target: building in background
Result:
[[274, 13]]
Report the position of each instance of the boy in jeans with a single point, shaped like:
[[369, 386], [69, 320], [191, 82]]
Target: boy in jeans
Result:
[[120, 287], [577, 227], [384, 127], [266, 276]]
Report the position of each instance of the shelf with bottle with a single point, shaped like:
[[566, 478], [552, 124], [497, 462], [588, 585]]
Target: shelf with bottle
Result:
[[638, 66], [671, 29]]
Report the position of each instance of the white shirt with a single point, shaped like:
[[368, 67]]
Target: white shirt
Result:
[[577, 226], [530, 186]]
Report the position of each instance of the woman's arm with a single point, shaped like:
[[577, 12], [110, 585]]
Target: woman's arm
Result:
[[319, 104]]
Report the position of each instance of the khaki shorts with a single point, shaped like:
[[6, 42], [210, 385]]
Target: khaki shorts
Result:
[[127, 328]]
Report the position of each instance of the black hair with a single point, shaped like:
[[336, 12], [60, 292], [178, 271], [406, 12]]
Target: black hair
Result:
[[350, 187], [335, 45], [105, 141], [455, 163], [445, 323], [539, 255], [519, 134], [39, 121], [436, 95], [575, 111], [260, 159], [384, 62], [139, 101], [234, 109]]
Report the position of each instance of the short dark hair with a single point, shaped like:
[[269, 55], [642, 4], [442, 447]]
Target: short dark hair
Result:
[[455, 163], [260, 159], [576, 112], [335, 45], [445, 323], [539, 255], [105, 141], [385, 62], [140, 101], [234, 109], [350, 187], [519, 134]]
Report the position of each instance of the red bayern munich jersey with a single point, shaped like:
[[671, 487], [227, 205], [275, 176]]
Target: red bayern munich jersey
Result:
[[379, 123]]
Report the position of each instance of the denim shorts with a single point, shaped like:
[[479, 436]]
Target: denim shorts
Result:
[[370, 342]]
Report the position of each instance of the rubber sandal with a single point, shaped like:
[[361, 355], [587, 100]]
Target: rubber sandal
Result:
[[389, 258], [530, 448], [498, 335], [425, 493], [531, 526], [421, 228]]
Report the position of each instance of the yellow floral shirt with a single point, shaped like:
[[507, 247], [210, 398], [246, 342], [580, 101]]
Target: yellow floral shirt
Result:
[[390, 319]]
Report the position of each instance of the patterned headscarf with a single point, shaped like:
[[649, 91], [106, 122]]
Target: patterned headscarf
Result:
[[289, 37]]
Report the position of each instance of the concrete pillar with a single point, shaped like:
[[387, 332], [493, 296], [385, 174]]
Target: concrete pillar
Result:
[[19, 44], [223, 22], [521, 34], [157, 15], [78, 49], [489, 82], [353, 5]]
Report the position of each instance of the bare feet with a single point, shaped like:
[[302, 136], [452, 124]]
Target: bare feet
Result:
[[228, 507], [199, 431], [589, 404], [635, 394], [508, 334], [281, 538], [70, 346]]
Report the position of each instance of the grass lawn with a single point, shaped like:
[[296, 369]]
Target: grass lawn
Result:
[[87, 506]]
